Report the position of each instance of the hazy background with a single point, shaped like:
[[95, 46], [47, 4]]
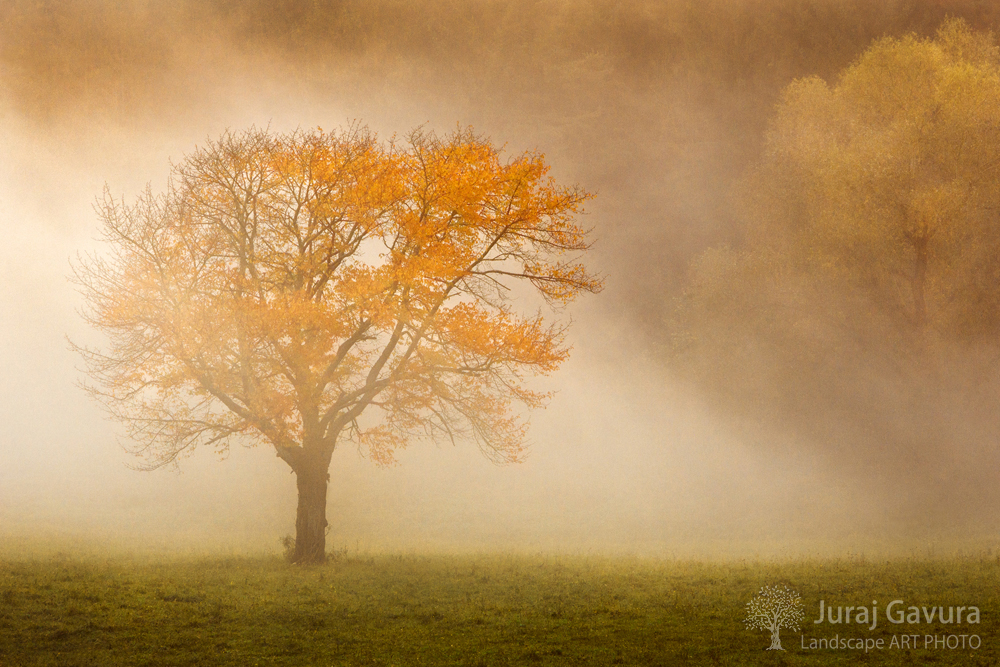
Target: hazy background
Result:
[[656, 106]]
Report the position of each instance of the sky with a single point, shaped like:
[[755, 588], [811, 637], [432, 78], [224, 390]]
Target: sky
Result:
[[640, 105]]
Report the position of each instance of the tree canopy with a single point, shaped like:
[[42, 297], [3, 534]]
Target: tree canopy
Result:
[[310, 289], [871, 240], [886, 180]]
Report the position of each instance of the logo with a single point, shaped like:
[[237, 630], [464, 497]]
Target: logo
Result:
[[772, 609], [778, 607]]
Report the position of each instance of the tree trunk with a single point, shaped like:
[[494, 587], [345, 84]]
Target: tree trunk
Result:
[[775, 641], [919, 281], [312, 480]]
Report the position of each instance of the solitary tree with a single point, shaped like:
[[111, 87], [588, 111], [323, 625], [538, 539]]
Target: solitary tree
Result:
[[772, 609], [310, 289]]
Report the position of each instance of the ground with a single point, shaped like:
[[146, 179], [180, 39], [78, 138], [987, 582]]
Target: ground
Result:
[[464, 610]]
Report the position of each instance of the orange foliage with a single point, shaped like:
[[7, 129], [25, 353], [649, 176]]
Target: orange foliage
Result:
[[285, 284]]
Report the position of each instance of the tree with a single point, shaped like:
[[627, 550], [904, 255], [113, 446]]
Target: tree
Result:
[[772, 609], [310, 289], [866, 280], [886, 181]]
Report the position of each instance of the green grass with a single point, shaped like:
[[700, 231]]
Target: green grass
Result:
[[461, 610]]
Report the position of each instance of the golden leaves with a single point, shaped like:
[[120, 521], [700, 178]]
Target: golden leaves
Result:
[[299, 280], [883, 177]]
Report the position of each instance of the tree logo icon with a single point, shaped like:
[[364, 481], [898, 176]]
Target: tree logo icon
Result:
[[773, 608]]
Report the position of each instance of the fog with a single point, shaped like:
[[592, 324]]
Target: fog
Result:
[[656, 107]]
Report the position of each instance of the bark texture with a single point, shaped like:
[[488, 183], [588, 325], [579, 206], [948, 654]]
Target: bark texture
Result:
[[312, 479]]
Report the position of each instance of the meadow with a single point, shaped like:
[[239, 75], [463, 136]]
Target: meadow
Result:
[[464, 610]]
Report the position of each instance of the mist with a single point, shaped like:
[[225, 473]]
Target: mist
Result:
[[658, 108]]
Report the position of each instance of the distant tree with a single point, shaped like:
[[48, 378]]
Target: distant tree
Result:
[[310, 289], [872, 214], [866, 284], [772, 609], [887, 180]]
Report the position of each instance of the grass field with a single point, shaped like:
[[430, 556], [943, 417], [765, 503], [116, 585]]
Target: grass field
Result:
[[466, 610]]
